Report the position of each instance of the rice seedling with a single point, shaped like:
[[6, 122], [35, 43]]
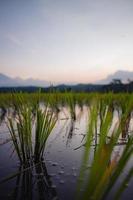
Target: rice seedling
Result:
[[21, 133], [106, 167], [21, 130], [71, 102], [101, 167], [45, 122], [123, 185]]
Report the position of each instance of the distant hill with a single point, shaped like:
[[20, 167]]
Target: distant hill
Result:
[[121, 74], [6, 81]]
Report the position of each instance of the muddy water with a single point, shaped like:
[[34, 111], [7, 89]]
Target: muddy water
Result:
[[61, 165]]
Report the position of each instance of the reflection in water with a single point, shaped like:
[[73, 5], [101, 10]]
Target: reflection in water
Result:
[[72, 124], [44, 184], [107, 164], [70, 131], [33, 182], [3, 113]]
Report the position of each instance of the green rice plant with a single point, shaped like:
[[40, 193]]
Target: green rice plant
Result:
[[71, 102], [98, 180], [124, 184], [45, 122], [54, 101], [22, 132], [60, 98], [89, 139], [119, 167]]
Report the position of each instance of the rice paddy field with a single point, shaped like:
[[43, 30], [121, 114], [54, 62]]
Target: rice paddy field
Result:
[[75, 146]]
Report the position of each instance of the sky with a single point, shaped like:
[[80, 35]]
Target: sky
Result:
[[65, 40]]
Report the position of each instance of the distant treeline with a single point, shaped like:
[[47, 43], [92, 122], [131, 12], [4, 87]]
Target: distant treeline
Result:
[[113, 87]]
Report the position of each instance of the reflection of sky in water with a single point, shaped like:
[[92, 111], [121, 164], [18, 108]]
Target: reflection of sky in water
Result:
[[61, 159]]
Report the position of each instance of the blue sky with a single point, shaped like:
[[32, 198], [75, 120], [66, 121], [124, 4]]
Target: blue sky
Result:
[[65, 40]]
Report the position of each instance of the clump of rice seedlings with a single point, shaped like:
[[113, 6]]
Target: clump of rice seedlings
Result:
[[22, 132], [71, 102], [54, 102], [45, 122], [127, 116], [106, 167]]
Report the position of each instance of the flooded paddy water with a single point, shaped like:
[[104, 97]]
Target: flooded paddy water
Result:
[[56, 176]]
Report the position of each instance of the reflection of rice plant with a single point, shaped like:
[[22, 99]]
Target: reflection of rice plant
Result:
[[3, 113], [21, 130], [70, 131], [31, 179], [33, 122], [105, 165]]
